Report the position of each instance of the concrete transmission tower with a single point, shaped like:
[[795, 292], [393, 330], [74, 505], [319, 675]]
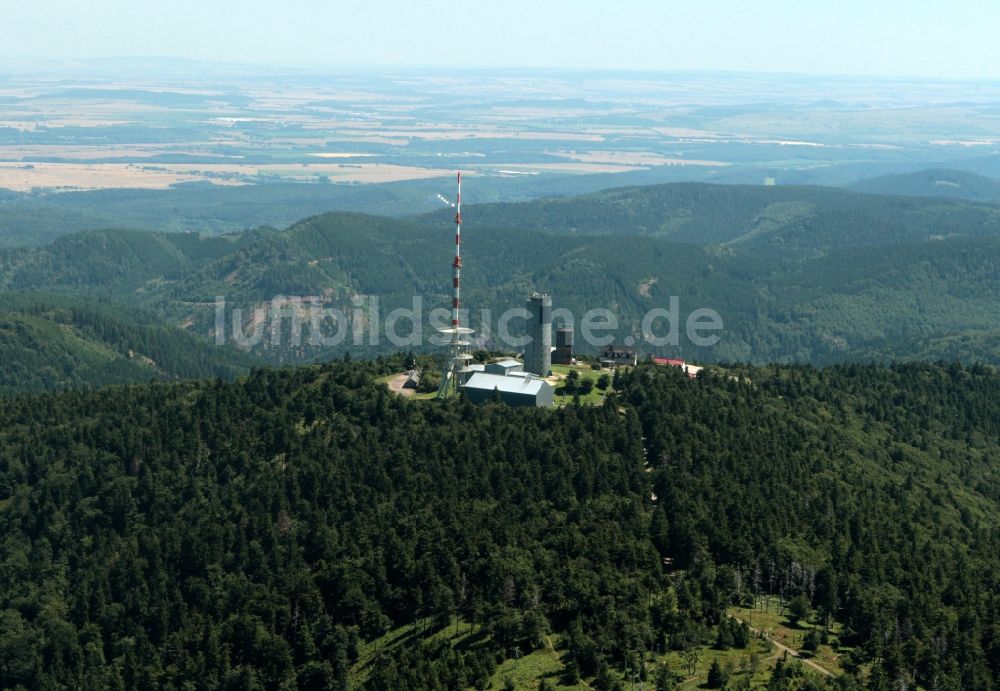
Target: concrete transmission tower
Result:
[[538, 353]]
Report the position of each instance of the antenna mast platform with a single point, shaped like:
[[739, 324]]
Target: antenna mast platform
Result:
[[458, 343]]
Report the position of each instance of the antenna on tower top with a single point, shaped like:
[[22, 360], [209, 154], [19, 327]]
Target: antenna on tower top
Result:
[[457, 345]]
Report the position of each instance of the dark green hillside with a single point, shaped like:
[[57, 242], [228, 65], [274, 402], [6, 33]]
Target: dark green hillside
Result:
[[805, 220], [260, 534], [884, 480], [55, 342], [875, 303], [31, 219], [335, 255], [821, 275], [388, 257], [212, 209], [954, 184], [120, 263], [263, 544], [847, 303], [685, 212], [29, 224]]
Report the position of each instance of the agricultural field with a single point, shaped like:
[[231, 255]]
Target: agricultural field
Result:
[[66, 130], [24, 177]]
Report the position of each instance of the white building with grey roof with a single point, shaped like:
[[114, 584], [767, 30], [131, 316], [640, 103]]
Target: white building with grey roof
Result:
[[512, 390]]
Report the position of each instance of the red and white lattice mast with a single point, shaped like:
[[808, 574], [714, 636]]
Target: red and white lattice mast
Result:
[[458, 342]]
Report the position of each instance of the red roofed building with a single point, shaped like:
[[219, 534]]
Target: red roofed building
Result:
[[690, 370]]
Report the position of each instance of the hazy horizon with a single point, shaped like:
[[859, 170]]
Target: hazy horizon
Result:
[[13, 62], [855, 39]]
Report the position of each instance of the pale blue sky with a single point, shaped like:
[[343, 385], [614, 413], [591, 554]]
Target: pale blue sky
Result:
[[960, 38]]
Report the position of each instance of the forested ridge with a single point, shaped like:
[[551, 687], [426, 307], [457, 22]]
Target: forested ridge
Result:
[[57, 342], [259, 534], [936, 182], [798, 274], [926, 300], [39, 217], [780, 219]]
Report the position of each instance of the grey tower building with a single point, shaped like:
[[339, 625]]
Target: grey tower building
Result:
[[538, 353]]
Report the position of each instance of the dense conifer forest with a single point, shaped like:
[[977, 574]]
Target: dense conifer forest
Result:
[[263, 533], [56, 342], [270, 422]]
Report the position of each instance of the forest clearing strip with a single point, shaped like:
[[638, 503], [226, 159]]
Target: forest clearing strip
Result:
[[790, 651]]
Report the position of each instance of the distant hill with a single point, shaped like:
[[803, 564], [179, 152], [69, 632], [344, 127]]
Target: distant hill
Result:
[[855, 302], [31, 219], [33, 224], [952, 184], [685, 212], [797, 274], [56, 342], [115, 262], [781, 220]]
